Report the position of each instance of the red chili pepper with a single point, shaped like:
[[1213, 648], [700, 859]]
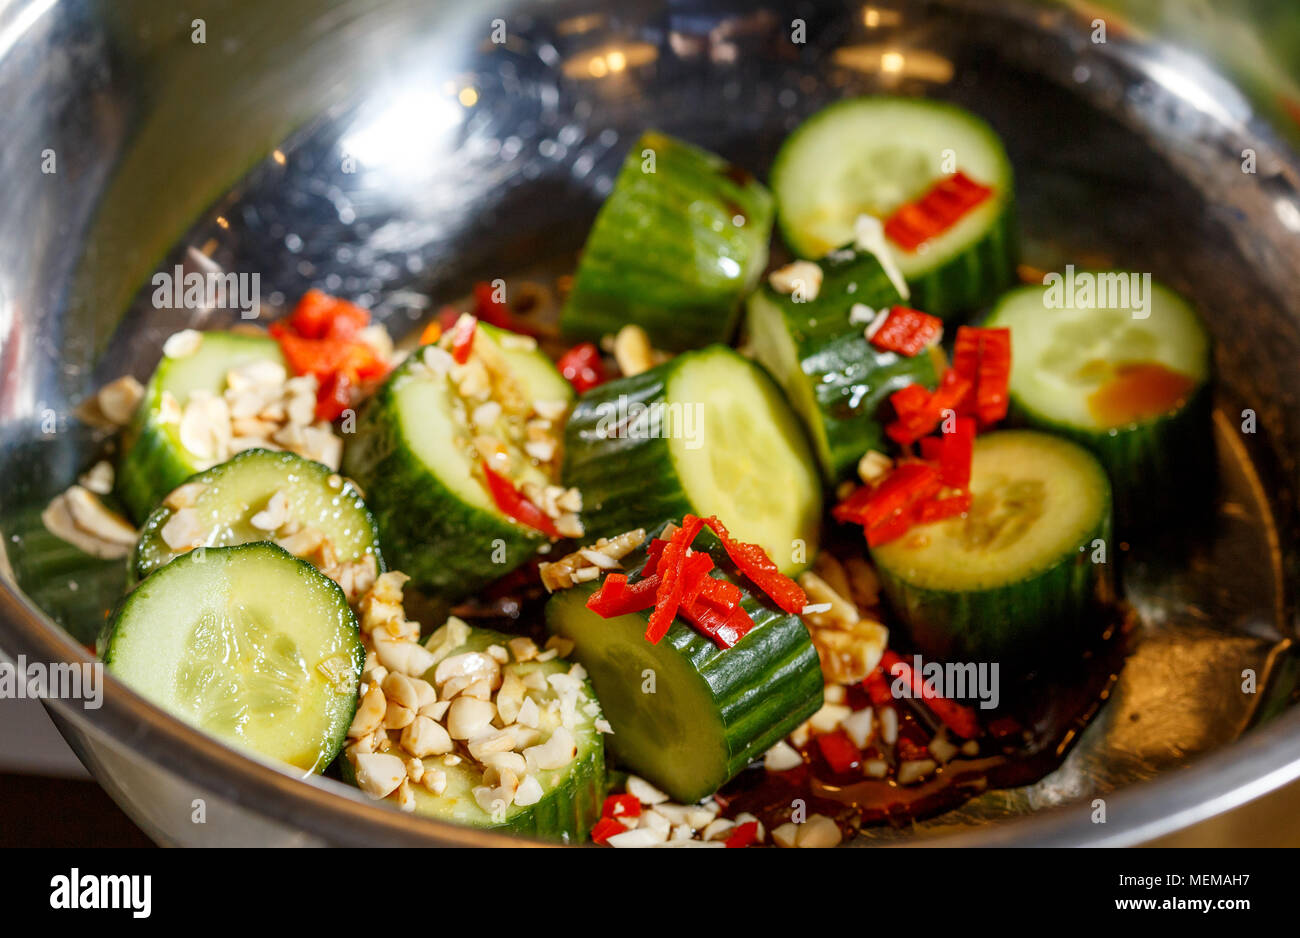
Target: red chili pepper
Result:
[[909, 482], [838, 750], [582, 367], [321, 316], [744, 835], [754, 563], [462, 338], [941, 207], [877, 687], [983, 357], [672, 586], [907, 331], [725, 626], [319, 338], [695, 570], [513, 504], [606, 828], [957, 717], [991, 397], [652, 555], [617, 806], [617, 597], [892, 528], [431, 333], [957, 450]]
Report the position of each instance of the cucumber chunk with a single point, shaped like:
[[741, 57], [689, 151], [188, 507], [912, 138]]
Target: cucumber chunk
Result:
[[686, 714], [1017, 575], [414, 455], [707, 433], [679, 242], [225, 499], [155, 460], [833, 377], [572, 795], [871, 155], [249, 643], [1135, 391]]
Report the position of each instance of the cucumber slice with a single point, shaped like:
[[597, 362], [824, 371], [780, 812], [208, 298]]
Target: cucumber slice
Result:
[[573, 795], [871, 155], [225, 499], [707, 433], [155, 461], [686, 714], [679, 242], [834, 378], [1015, 576], [413, 456], [1134, 391], [540, 378], [248, 643]]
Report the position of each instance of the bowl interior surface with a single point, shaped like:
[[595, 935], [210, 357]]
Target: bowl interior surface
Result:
[[447, 156]]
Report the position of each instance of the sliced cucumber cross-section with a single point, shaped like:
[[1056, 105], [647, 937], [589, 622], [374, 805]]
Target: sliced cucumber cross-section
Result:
[[870, 156], [228, 505], [1131, 384], [248, 643], [1024, 570], [707, 433], [155, 460]]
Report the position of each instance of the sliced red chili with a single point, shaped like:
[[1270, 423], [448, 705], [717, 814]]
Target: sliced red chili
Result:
[[838, 751], [957, 450], [907, 331], [957, 717], [618, 597], [606, 828], [514, 505], [462, 338], [754, 562], [621, 806], [743, 835], [582, 367], [943, 205]]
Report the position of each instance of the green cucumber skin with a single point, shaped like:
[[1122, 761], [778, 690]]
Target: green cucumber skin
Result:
[[1016, 623], [153, 463], [626, 483], [763, 688], [975, 277], [145, 557], [426, 531], [151, 468], [648, 261], [852, 381], [1158, 469], [849, 378]]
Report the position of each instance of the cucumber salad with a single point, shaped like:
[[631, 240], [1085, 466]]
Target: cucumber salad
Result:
[[796, 508]]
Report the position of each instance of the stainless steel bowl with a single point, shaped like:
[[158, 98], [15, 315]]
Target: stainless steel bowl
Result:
[[393, 151]]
